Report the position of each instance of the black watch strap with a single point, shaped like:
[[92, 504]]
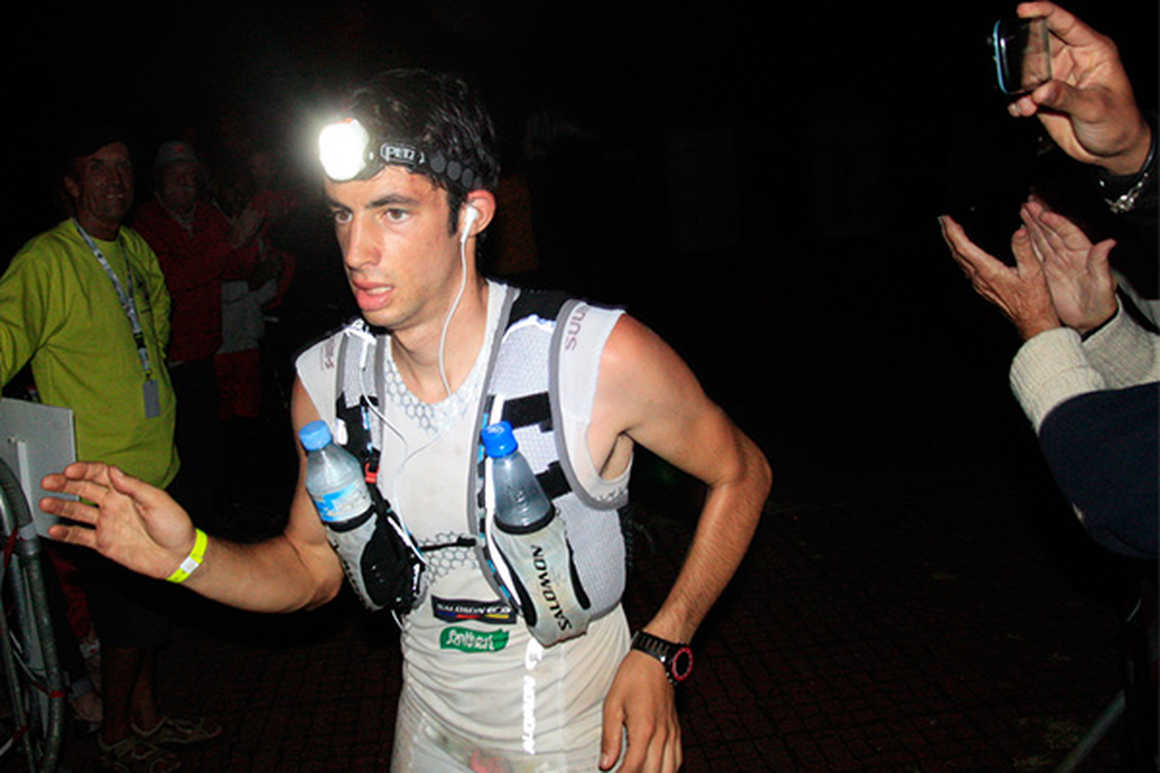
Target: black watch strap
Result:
[[676, 657]]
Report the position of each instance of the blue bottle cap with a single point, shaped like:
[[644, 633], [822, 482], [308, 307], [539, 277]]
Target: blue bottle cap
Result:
[[314, 435], [498, 439]]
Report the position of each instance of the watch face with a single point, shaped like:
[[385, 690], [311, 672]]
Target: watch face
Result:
[[682, 664]]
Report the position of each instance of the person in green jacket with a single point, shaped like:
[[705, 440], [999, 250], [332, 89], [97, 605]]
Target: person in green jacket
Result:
[[85, 304]]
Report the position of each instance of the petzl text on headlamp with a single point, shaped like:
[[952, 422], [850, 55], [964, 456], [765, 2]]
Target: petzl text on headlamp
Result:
[[346, 151]]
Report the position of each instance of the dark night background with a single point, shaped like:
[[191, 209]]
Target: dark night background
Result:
[[760, 185]]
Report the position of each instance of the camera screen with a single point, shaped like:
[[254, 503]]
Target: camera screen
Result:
[[1021, 53]]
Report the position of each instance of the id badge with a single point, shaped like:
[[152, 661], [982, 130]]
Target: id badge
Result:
[[152, 394]]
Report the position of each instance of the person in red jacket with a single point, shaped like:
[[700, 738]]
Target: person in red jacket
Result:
[[198, 249]]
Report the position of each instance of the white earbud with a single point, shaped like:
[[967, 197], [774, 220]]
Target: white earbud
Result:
[[469, 219]]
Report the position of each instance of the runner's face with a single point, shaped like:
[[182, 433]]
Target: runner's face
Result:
[[102, 189], [401, 259]]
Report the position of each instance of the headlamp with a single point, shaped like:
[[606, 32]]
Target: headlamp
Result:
[[342, 148], [347, 150]]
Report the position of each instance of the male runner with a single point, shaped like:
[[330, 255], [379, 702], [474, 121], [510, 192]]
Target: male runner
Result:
[[408, 215]]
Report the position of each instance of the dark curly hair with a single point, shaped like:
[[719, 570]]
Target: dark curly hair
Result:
[[439, 114]]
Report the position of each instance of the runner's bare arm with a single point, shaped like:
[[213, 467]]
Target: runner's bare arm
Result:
[[648, 393], [142, 528]]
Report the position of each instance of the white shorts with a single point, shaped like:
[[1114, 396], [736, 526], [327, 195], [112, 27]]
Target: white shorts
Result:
[[468, 699]]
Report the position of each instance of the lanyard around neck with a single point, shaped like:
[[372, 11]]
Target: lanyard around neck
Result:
[[128, 304]]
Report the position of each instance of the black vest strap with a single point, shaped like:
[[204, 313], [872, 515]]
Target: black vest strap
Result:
[[553, 482], [545, 304], [529, 410]]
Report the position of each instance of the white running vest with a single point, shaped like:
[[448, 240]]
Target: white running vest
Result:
[[475, 682]]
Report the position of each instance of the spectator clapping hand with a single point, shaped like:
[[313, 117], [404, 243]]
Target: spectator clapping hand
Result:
[[1021, 292], [245, 225], [1083, 290]]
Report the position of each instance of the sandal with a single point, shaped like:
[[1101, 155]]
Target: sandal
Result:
[[179, 730], [133, 755]]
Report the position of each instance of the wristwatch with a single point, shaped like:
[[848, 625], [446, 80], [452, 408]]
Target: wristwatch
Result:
[[677, 658]]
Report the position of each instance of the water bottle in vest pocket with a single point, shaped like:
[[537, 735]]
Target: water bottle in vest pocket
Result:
[[530, 538]]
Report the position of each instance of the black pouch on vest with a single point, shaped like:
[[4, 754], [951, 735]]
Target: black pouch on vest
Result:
[[391, 564], [380, 560]]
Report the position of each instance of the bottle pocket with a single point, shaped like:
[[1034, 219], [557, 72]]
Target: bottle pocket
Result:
[[551, 596]]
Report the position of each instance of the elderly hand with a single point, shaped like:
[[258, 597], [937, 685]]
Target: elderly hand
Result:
[[1020, 293], [1079, 278], [1091, 112]]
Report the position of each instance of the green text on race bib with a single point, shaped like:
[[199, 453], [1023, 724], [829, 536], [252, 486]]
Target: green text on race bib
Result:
[[467, 640]]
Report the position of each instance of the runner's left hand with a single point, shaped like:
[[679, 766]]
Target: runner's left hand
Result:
[[641, 701]]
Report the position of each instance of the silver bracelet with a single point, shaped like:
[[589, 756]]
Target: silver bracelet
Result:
[[1126, 201]]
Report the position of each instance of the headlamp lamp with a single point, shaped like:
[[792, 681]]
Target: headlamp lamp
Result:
[[347, 150], [342, 148]]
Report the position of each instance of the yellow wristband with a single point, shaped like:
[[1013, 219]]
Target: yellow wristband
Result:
[[192, 561]]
